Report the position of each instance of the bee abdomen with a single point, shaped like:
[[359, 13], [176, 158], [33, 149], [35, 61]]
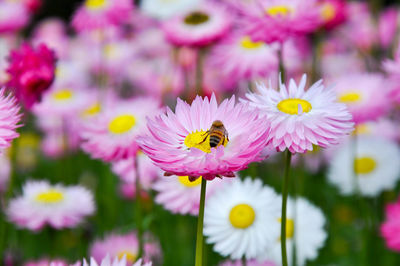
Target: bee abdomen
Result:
[[215, 139]]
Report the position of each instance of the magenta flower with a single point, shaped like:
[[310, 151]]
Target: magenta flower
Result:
[[178, 142], [300, 118], [32, 72], [390, 229]]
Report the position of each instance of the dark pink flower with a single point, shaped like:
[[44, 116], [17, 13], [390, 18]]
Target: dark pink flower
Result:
[[390, 229], [31, 72]]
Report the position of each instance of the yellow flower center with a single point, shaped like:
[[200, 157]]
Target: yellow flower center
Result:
[[121, 124], [364, 165], [196, 18], [242, 216], [247, 43], [350, 97], [289, 227], [50, 196], [110, 50], [328, 12], [362, 129], [200, 140], [187, 183], [95, 4], [63, 95], [291, 106], [92, 110], [130, 257], [279, 10]]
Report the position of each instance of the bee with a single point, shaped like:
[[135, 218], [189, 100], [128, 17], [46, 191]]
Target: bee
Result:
[[217, 133]]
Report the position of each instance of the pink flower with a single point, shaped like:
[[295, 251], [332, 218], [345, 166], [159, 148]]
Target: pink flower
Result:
[[56, 205], [390, 228], [32, 72], [112, 134], [365, 94], [13, 16], [178, 142], [333, 13], [387, 27], [198, 27], [100, 14], [277, 20], [300, 118], [120, 245], [46, 262], [9, 118]]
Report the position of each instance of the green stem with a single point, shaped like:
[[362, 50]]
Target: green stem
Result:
[[139, 216], [281, 64], [285, 188], [199, 239], [244, 261]]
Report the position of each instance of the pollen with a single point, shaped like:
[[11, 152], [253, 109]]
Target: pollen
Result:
[[351, 97], [291, 106], [195, 140], [328, 12], [364, 165], [92, 110], [247, 43], [63, 95], [242, 216], [289, 227], [122, 124], [50, 196], [95, 4], [130, 256], [280, 10], [184, 180]]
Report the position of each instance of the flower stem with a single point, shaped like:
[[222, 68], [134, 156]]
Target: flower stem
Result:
[[199, 239], [139, 218], [281, 64], [285, 188]]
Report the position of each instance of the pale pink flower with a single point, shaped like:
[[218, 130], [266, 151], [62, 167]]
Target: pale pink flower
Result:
[[178, 142], [56, 205], [387, 27], [300, 118], [13, 16], [46, 262], [9, 119]]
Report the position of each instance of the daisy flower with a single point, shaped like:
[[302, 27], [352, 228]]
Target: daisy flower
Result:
[[302, 118], [369, 170], [123, 246], [13, 16], [236, 217], [56, 205], [111, 135], [100, 14], [390, 228], [116, 262], [239, 58], [366, 95], [277, 20], [161, 9], [304, 226], [198, 27], [179, 195], [9, 118], [178, 142]]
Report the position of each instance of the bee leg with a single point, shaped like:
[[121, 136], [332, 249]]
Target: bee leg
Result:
[[204, 139]]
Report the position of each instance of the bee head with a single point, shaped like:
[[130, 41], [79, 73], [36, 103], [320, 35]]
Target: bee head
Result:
[[217, 123]]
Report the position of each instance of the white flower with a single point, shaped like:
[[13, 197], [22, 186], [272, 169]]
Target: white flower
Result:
[[304, 224], [374, 160], [108, 262], [162, 9], [56, 205], [240, 218]]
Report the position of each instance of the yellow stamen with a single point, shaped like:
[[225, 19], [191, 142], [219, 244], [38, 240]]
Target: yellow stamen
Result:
[[121, 124], [350, 97], [130, 257], [289, 227], [328, 12], [280, 10], [242, 216], [95, 4], [364, 165], [63, 95], [195, 140], [50, 196], [184, 180], [196, 18], [291, 106], [92, 110], [247, 43]]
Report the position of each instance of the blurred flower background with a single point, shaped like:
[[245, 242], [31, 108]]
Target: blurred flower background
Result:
[[124, 124]]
